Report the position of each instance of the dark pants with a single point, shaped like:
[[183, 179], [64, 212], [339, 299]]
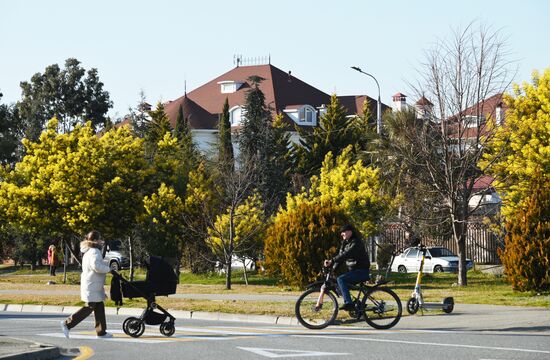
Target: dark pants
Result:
[[52, 270], [99, 313], [351, 277]]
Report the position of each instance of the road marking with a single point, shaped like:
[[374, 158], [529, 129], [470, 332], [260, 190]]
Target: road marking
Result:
[[85, 353], [427, 343], [280, 353], [118, 335]]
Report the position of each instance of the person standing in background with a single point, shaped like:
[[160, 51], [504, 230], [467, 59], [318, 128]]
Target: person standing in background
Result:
[[52, 259]]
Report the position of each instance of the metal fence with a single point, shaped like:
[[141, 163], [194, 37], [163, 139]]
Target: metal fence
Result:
[[481, 242]]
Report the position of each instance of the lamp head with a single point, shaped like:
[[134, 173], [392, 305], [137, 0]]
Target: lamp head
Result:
[[356, 68]]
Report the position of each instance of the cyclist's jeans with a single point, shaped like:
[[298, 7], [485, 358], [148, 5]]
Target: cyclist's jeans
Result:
[[351, 277]]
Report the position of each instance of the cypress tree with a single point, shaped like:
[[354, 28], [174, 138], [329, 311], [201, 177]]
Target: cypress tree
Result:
[[188, 152], [526, 254], [225, 145]]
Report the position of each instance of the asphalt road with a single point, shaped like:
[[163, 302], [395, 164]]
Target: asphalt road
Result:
[[411, 339]]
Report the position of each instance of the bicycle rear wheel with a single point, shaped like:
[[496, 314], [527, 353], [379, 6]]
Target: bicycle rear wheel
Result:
[[382, 308], [310, 315]]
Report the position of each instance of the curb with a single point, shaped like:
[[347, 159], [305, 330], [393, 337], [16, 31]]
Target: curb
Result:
[[179, 314]]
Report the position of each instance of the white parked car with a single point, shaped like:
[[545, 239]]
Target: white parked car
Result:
[[438, 259]]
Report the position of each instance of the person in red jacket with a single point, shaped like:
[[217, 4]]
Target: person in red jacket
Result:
[[52, 259]]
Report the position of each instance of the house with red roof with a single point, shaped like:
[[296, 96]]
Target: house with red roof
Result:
[[300, 104], [467, 125]]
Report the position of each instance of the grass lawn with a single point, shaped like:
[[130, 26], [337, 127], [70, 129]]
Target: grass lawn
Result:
[[482, 289]]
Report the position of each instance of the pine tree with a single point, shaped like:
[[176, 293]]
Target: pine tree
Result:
[[225, 145], [254, 138], [157, 127], [333, 134], [256, 123]]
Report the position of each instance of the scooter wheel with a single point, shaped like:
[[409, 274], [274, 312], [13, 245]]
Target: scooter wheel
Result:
[[412, 306]]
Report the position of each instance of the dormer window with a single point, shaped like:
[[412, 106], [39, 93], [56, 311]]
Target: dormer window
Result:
[[306, 114], [229, 86]]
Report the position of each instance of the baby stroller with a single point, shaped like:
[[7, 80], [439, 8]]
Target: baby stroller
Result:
[[160, 280]]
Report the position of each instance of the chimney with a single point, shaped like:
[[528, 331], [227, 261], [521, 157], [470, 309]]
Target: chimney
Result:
[[499, 112], [399, 102], [424, 108]]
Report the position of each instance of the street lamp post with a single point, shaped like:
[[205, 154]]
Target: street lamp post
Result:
[[379, 105]]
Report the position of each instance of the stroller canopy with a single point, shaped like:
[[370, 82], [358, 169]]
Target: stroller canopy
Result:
[[161, 278]]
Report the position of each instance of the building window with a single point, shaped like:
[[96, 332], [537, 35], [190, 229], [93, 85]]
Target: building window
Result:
[[306, 115], [235, 115], [471, 121], [229, 86]]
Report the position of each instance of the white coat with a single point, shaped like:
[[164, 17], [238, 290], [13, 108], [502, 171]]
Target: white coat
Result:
[[93, 274]]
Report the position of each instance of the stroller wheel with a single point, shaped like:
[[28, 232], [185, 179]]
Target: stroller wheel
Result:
[[167, 328], [133, 327]]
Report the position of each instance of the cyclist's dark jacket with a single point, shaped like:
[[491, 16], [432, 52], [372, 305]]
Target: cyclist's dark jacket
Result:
[[353, 252]]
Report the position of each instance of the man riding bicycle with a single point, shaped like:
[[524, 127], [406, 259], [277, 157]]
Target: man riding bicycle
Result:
[[353, 252]]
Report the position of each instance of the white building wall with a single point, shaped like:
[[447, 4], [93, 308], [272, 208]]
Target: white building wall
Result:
[[206, 141]]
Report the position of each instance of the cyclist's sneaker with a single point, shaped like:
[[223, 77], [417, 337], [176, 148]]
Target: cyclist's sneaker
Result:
[[347, 307]]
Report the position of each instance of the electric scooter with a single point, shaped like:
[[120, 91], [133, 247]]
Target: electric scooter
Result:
[[417, 301]]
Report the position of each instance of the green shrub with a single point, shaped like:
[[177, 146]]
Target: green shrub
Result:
[[526, 255], [300, 239]]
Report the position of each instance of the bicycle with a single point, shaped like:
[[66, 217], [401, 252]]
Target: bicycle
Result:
[[317, 307]]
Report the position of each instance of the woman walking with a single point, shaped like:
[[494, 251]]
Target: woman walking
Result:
[[92, 292]]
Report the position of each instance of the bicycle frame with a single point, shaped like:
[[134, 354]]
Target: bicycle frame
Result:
[[328, 283]]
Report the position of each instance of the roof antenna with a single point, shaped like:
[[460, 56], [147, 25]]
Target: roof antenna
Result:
[[289, 79], [185, 87], [237, 59]]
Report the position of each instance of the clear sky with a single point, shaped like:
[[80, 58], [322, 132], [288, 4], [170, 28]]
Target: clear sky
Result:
[[157, 46]]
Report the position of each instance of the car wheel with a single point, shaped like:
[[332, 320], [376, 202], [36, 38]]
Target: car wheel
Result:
[[438, 269], [114, 265], [402, 269]]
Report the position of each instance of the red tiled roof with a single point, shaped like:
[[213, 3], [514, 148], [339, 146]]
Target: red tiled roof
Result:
[[483, 182], [126, 121], [486, 107], [198, 117], [280, 89], [423, 102], [354, 104]]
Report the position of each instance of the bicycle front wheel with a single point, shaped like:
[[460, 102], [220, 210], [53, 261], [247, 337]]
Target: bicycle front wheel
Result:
[[312, 316], [382, 308]]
